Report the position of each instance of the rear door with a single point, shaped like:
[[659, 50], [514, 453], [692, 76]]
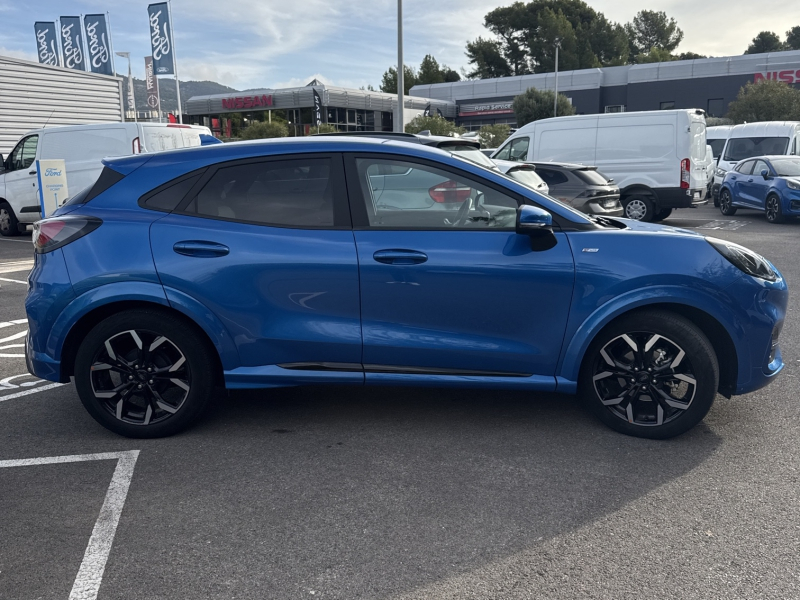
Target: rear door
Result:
[[742, 183], [756, 186], [266, 246]]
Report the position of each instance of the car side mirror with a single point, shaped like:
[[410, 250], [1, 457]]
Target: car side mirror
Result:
[[533, 220], [765, 173]]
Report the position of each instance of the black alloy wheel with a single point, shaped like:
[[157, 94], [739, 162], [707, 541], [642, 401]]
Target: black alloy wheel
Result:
[[773, 209], [8, 221], [652, 374], [726, 203], [144, 374]]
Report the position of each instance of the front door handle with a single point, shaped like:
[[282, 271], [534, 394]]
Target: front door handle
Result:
[[201, 249], [749, 181], [400, 257], [32, 172]]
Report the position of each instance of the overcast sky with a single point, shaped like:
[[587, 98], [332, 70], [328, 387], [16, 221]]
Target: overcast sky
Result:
[[279, 43]]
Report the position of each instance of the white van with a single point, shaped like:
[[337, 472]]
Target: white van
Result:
[[658, 158], [82, 147], [716, 137]]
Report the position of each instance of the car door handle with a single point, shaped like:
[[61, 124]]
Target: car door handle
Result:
[[400, 257], [200, 249], [749, 181], [31, 172]]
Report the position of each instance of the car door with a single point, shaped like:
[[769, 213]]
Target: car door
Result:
[[738, 181], [454, 290], [21, 183], [756, 186], [516, 149], [266, 246]]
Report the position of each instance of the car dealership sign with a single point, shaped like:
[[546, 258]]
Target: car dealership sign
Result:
[[787, 76], [242, 102], [488, 108]]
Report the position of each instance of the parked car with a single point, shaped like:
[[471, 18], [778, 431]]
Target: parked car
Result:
[[582, 187], [82, 147], [657, 158], [767, 138], [270, 263], [768, 183], [525, 173]]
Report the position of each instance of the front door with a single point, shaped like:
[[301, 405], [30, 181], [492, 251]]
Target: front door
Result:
[[447, 286], [266, 246], [757, 186], [21, 181]]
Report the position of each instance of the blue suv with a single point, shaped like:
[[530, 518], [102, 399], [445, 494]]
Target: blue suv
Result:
[[371, 261], [767, 183]]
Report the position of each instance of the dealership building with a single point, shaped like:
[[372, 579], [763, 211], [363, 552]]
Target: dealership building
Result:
[[707, 83]]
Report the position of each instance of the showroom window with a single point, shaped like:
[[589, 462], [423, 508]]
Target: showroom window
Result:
[[288, 193], [716, 107]]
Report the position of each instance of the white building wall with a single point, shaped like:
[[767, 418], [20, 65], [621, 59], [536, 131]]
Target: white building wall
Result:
[[32, 95]]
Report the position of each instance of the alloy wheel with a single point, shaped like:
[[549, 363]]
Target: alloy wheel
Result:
[[140, 377], [772, 209], [644, 378], [5, 220], [635, 209]]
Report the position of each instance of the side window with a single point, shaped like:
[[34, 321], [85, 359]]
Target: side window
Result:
[[29, 151], [760, 166], [430, 198], [552, 177], [168, 198], [745, 168], [286, 193], [504, 152], [13, 160], [519, 149]]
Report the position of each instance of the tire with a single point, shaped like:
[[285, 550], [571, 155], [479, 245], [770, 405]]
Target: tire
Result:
[[8, 221], [773, 209], [154, 403], [662, 410], [639, 208], [662, 214], [726, 203]]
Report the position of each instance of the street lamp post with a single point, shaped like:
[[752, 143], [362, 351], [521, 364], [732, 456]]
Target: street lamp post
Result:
[[557, 43], [398, 125], [131, 94]]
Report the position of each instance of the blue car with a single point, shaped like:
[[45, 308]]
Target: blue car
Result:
[[376, 262], [768, 183]]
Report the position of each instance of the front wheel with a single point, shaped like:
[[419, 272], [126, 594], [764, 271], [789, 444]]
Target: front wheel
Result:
[[8, 221], [639, 208], [726, 203], [144, 374], [773, 210], [652, 374]]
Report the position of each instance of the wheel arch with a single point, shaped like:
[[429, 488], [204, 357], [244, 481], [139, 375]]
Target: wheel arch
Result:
[[638, 188], [85, 324]]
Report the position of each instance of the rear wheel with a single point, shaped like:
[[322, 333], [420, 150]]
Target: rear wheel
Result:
[[773, 209], [8, 221], [662, 214], [639, 208], [726, 203], [143, 374], [652, 374]]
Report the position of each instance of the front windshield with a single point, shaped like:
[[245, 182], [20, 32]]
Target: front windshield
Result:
[[741, 148], [786, 167], [471, 153]]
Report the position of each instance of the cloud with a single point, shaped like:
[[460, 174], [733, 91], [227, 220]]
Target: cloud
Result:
[[18, 54]]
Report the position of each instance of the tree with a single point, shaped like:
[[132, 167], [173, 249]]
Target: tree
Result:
[[491, 136], [766, 41], [431, 72], [793, 38], [534, 104], [652, 29], [436, 125], [655, 55], [389, 80], [767, 100], [325, 128], [486, 57], [689, 56], [261, 130]]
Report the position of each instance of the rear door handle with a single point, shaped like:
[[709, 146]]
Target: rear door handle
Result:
[[749, 181], [201, 249], [400, 257]]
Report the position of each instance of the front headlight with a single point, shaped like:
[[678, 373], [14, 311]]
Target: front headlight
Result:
[[719, 172], [744, 259], [792, 185]]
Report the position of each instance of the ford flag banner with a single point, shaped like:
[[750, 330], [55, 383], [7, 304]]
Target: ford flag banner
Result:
[[46, 43], [99, 43], [161, 39], [72, 43], [317, 108]]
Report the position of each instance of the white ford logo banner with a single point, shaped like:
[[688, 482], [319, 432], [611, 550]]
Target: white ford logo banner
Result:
[[99, 43], [161, 39], [72, 43], [46, 43]]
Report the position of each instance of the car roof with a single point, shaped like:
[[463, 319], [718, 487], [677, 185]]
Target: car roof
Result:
[[562, 165], [764, 129]]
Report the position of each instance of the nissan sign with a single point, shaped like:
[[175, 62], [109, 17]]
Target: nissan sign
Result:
[[788, 76], [242, 102]]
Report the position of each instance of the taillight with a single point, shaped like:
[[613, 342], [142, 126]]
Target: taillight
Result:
[[137, 147], [449, 191], [686, 168], [49, 234]]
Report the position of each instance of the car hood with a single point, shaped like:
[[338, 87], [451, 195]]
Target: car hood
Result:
[[643, 227]]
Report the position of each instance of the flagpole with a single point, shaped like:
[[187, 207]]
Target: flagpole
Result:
[[175, 61], [111, 43]]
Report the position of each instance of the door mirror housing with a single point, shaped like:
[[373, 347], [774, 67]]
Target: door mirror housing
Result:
[[765, 173], [532, 219]]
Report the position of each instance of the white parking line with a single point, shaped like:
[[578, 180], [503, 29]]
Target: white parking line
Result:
[[14, 281], [90, 574], [10, 323], [17, 241], [44, 388], [13, 267]]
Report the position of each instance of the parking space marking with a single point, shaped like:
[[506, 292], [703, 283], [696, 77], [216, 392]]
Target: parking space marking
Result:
[[18, 265], [90, 573], [13, 281], [10, 323], [44, 388], [17, 241], [724, 225]]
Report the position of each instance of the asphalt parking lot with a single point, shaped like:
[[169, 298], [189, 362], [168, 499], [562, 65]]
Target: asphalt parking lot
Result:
[[401, 493]]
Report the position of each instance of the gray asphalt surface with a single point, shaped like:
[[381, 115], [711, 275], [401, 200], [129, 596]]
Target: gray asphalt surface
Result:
[[406, 493]]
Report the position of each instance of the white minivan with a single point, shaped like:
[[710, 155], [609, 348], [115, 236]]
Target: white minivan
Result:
[[658, 158], [82, 147], [716, 137]]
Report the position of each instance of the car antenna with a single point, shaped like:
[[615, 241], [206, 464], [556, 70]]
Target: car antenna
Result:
[[48, 118]]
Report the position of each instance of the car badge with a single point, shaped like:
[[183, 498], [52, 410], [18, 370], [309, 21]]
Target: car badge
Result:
[[590, 249]]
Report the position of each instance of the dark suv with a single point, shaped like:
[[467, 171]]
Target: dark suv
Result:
[[584, 188]]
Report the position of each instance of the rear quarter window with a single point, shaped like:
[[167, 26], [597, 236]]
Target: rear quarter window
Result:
[[167, 197]]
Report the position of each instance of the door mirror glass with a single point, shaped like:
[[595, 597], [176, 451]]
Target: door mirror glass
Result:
[[765, 173], [532, 219]]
